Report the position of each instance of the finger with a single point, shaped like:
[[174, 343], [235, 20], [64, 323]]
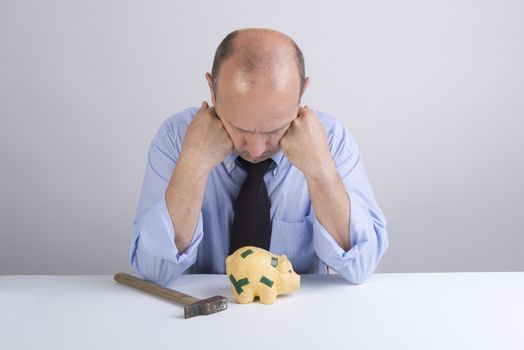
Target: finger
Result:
[[212, 111], [282, 140], [302, 111], [309, 110], [204, 106]]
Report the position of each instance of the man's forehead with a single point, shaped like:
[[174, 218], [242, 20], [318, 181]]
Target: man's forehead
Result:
[[242, 82]]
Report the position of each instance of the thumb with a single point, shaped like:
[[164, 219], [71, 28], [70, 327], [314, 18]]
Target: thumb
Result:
[[302, 111], [204, 105]]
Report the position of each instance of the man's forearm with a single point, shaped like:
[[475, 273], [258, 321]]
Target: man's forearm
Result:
[[331, 203], [184, 196]]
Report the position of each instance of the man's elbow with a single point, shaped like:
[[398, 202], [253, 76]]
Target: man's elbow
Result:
[[359, 271]]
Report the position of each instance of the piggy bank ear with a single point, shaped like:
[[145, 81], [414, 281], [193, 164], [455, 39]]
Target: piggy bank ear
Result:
[[284, 257]]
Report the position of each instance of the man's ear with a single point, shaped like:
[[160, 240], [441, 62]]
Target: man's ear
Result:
[[306, 84], [209, 79]]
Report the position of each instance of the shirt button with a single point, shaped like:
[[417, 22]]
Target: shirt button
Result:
[[228, 165]]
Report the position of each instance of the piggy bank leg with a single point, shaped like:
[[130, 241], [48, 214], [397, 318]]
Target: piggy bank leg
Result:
[[246, 297], [268, 298]]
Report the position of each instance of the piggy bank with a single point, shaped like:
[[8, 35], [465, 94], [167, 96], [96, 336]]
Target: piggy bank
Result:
[[256, 272]]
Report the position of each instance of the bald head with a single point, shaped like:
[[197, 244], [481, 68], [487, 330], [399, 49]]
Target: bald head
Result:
[[259, 57]]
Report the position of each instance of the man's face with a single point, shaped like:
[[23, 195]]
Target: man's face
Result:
[[256, 117], [255, 146]]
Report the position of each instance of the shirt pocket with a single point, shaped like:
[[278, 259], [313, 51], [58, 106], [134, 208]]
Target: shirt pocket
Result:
[[295, 240]]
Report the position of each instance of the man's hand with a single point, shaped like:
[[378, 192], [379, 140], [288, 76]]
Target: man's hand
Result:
[[305, 145], [206, 142]]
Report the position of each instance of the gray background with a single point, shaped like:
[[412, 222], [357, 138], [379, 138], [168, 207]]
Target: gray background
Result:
[[432, 91]]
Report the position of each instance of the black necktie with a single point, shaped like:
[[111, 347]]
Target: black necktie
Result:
[[251, 225]]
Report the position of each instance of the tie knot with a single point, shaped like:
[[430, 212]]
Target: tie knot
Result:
[[255, 170]]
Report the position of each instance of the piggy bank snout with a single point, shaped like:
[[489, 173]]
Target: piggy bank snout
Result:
[[291, 282], [296, 280]]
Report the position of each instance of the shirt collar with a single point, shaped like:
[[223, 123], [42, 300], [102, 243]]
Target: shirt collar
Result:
[[229, 163]]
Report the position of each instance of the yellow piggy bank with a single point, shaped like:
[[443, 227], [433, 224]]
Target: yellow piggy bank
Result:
[[256, 272]]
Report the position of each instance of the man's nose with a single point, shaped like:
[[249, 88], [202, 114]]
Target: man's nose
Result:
[[256, 144]]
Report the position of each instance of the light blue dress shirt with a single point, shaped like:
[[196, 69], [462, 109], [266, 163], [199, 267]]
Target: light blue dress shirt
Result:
[[296, 232]]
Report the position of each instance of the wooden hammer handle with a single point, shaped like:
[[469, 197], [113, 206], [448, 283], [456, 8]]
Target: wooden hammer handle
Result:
[[154, 288]]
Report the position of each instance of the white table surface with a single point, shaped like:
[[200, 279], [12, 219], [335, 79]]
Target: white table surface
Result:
[[389, 311]]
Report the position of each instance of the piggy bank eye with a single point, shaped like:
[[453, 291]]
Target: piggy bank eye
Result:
[[290, 271]]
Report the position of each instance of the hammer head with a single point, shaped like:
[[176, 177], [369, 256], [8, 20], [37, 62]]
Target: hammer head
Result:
[[205, 306]]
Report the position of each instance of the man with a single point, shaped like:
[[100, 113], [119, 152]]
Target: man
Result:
[[257, 168]]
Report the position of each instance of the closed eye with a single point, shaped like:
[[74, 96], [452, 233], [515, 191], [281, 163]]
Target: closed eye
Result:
[[272, 132]]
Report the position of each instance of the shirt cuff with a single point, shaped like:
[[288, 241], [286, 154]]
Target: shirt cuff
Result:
[[157, 235], [328, 249]]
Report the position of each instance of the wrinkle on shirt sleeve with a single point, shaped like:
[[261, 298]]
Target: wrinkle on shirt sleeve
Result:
[[153, 253], [367, 226]]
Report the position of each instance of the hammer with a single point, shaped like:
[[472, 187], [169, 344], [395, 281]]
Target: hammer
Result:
[[193, 306]]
